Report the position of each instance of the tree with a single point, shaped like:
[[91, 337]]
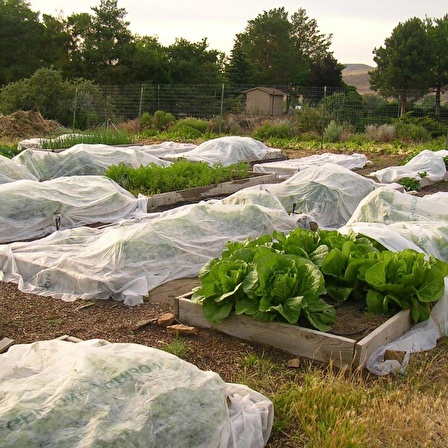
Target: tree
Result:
[[285, 51], [150, 63], [323, 68], [47, 92], [104, 43], [269, 48], [403, 64], [240, 69], [58, 42], [21, 41], [193, 63], [438, 36]]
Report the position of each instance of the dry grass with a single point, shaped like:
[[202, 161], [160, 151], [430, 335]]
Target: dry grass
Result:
[[316, 407]]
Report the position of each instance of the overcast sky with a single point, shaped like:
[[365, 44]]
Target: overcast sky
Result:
[[357, 26]]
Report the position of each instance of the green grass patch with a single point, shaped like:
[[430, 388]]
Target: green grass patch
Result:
[[153, 179]]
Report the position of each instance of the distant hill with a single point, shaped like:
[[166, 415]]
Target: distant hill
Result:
[[357, 75], [352, 67]]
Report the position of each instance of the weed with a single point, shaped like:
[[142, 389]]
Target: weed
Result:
[[54, 322], [177, 347]]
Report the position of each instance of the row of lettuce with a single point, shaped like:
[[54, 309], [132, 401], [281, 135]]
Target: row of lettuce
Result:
[[300, 278]]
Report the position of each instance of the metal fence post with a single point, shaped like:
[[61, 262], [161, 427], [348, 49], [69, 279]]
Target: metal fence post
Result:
[[221, 110], [140, 109], [323, 117], [75, 105]]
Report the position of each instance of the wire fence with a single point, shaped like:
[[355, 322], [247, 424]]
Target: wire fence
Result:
[[117, 104]]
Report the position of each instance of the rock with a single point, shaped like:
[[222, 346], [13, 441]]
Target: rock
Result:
[[166, 319], [181, 329]]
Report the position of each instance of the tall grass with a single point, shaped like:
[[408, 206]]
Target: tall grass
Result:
[[324, 407]]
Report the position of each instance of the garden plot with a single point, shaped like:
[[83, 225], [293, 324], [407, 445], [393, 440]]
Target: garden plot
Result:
[[31, 209], [94, 393], [228, 150], [83, 160], [287, 168], [128, 260], [11, 171]]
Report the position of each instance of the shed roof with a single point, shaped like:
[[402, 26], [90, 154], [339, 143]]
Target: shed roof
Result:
[[269, 90]]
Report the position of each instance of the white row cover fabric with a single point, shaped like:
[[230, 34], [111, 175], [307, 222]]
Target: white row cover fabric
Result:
[[427, 167], [128, 260], [165, 148], [227, 150], [329, 193], [98, 394], [10, 171], [286, 168], [402, 221], [422, 221], [30, 209], [83, 160]]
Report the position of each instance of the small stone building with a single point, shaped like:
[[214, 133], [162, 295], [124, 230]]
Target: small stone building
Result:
[[265, 101]]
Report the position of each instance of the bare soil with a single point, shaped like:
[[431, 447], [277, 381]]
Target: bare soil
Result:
[[27, 318]]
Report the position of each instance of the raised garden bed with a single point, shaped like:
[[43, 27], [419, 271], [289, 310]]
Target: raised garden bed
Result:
[[165, 201], [342, 351]]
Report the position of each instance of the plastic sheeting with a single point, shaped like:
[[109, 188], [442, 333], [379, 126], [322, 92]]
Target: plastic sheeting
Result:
[[287, 168], [99, 394], [11, 171], [427, 167], [128, 260], [329, 193], [400, 221], [83, 160], [228, 150], [32, 209]]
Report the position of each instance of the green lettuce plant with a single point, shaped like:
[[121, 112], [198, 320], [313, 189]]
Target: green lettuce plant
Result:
[[297, 277], [403, 280]]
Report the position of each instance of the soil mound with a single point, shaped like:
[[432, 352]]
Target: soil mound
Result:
[[26, 124]]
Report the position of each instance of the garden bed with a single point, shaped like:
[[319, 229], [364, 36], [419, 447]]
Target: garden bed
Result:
[[165, 201], [368, 332]]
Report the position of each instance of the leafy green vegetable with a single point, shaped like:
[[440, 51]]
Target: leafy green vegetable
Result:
[[410, 184], [287, 277], [405, 280], [255, 279]]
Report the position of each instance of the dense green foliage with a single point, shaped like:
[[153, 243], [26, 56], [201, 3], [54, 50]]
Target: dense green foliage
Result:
[[47, 92], [278, 50], [300, 276], [413, 61], [153, 179]]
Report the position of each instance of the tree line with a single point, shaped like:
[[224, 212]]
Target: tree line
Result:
[[275, 48], [99, 47]]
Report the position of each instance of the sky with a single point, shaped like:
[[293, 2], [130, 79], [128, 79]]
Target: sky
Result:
[[357, 26]]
